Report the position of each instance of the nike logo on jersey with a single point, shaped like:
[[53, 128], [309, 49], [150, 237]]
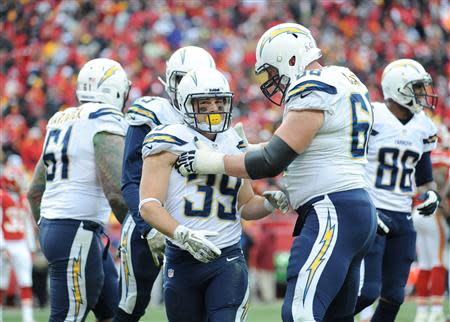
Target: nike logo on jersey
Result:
[[303, 95], [232, 258], [408, 217]]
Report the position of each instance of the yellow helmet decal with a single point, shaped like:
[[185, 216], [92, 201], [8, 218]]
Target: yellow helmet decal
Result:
[[108, 74], [280, 31]]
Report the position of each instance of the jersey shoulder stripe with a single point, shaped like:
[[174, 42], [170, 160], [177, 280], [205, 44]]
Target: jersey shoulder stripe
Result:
[[103, 112], [312, 85], [163, 138], [142, 111]]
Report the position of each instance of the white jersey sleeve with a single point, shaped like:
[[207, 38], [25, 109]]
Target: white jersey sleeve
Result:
[[430, 139], [152, 111], [312, 92], [335, 159], [72, 189], [200, 201]]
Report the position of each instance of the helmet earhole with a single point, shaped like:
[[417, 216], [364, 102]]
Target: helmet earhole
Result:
[[118, 95], [292, 61]]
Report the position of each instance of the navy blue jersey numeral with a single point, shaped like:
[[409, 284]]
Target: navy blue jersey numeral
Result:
[[207, 190], [49, 156], [360, 129], [392, 163]]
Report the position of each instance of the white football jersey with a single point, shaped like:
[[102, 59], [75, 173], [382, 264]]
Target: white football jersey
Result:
[[200, 201], [153, 111], [72, 190], [394, 151], [335, 159]]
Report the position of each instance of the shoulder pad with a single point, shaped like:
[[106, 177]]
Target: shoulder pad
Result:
[[145, 109], [309, 82], [165, 138]]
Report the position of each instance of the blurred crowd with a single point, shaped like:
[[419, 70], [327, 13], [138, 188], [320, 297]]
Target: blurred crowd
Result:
[[43, 44]]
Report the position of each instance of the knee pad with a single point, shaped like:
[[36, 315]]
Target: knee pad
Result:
[[438, 277], [422, 283], [386, 311]]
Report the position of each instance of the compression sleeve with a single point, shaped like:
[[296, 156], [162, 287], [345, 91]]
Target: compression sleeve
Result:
[[424, 171], [270, 160]]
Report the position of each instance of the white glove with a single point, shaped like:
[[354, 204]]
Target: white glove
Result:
[[239, 128], [204, 160], [196, 243], [430, 203], [156, 242], [276, 200]]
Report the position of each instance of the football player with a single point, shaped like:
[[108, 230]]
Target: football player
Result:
[[321, 145], [401, 140], [205, 274], [16, 240], [75, 186], [139, 242], [431, 238]]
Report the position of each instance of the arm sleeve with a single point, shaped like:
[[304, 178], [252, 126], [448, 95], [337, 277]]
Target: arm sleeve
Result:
[[424, 172], [131, 173]]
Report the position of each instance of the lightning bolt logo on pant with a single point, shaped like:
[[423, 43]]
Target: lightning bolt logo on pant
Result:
[[76, 276], [320, 257]]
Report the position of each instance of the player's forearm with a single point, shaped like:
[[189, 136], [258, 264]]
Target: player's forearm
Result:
[[254, 209], [235, 166], [158, 217], [37, 189], [425, 187]]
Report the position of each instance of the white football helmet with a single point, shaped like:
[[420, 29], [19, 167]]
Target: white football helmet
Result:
[[288, 48], [406, 82], [205, 83], [103, 80], [182, 61]]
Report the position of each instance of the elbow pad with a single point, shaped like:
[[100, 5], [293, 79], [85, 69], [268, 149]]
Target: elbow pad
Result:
[[269, 161]]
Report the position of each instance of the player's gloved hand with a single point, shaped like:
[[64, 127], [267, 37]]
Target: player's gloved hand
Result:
[[276, 200], [204, 160], [429, 203], [156, 242], [196, 243], [239, 128]]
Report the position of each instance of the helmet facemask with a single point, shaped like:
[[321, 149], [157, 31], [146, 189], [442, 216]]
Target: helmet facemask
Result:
[[172, 86], [214, 122], [273, 86], [421, 93]]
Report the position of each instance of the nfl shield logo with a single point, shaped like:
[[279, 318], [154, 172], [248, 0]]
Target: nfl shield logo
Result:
[[170, 272]]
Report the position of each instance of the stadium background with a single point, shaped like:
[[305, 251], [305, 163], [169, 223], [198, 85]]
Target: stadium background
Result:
[[44, 43]]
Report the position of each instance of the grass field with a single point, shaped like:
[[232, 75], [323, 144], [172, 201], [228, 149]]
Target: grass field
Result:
[[257, 313]]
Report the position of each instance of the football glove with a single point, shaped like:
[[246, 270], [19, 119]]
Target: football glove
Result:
[[196, 243], [239, 128], [156, 242], [204, 160], [430, 202], [276, 200]]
